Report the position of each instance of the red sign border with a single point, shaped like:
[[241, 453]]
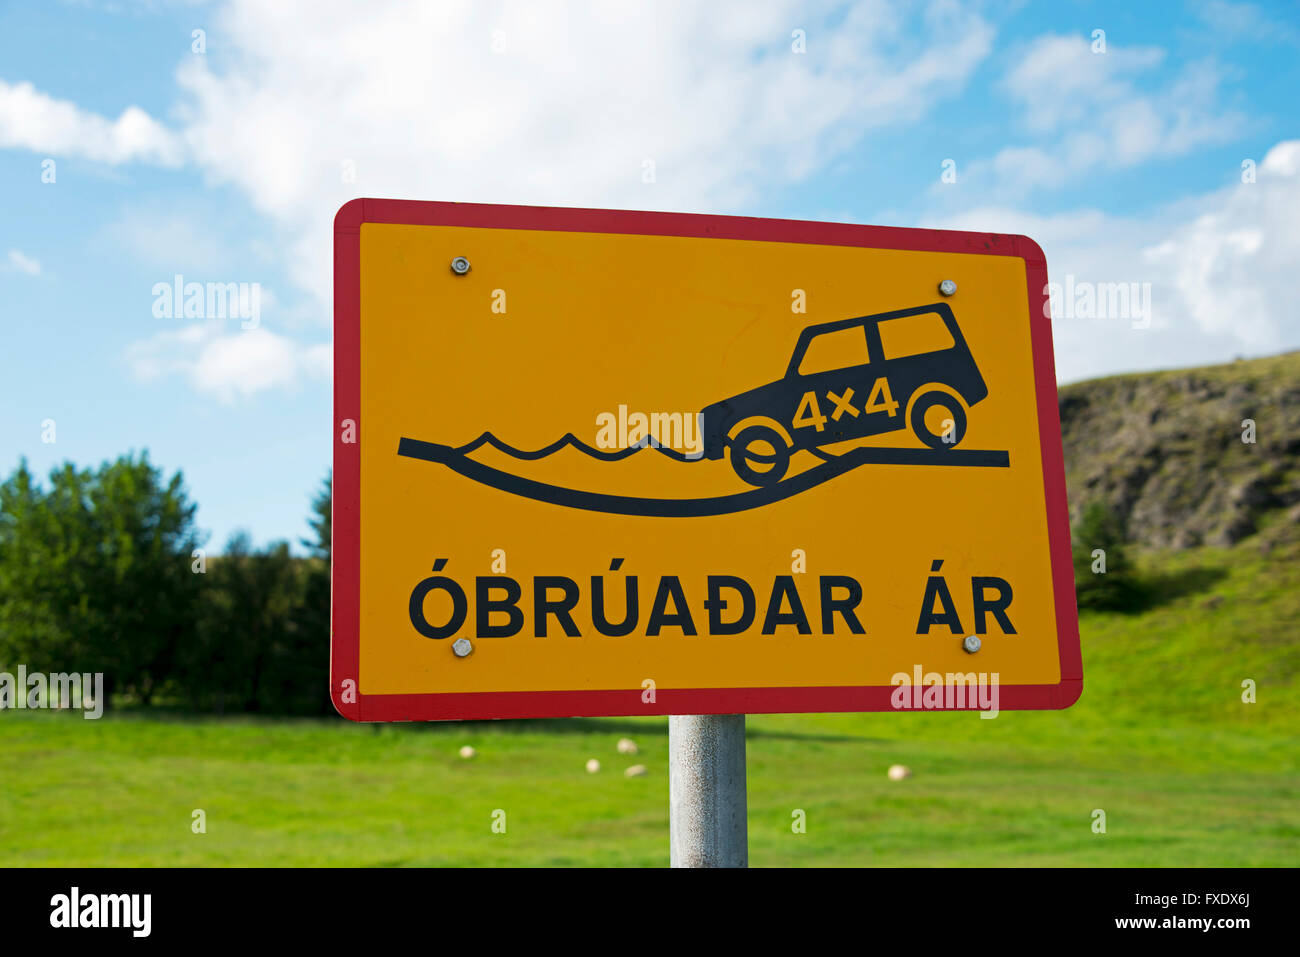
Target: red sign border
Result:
[[345, 633]]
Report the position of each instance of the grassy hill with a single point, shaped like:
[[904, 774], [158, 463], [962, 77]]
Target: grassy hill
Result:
[[1165, 449], [1186, 772]]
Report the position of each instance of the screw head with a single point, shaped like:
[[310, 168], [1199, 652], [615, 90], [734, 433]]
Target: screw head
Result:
[[947, 287], [970, 644], [460, 265], [461, 647]]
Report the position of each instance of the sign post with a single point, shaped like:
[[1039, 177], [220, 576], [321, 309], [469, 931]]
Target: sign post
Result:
[[708, 817], [600, 462]]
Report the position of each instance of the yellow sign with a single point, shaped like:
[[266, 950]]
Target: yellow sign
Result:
[[594, 462]]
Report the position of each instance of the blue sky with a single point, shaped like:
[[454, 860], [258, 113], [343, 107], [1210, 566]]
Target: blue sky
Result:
[[226, 164]]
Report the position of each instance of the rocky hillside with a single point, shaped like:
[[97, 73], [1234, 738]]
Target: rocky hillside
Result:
[[1165, 450]]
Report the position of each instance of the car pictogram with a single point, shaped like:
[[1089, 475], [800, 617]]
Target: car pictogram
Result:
[[851, 379]]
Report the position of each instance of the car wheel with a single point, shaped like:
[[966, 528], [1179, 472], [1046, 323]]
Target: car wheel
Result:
[[759, 455], [938, 420]]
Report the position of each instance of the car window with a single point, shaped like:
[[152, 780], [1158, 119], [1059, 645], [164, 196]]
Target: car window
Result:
[[835, 350], [914, 335]]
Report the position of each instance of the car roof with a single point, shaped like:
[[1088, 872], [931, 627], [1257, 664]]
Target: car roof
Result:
[[818, 328]]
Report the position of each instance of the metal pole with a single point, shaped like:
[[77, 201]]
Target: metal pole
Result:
[[708, 818]]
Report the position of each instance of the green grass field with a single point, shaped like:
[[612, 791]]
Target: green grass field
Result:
[[1187, 773]]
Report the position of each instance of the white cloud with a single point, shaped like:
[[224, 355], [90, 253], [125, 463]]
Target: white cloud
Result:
[[579, 97], [32, 120], [1233, 264], [1059, 80], [555, 106], [1246, 22], [171, 238], [228, 365], [563, 105], [24, 263], [1087, 112], [1221, 268]]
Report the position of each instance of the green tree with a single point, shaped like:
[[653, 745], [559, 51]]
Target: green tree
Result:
[[33, 632], [322, 509], [313, 638], [247, 655], [95, 573], [1104, 575]]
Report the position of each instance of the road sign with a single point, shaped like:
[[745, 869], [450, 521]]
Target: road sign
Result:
[[594, 462]]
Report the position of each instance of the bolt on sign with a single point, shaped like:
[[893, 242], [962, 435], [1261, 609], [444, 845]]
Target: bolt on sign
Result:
[[594, 462]]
